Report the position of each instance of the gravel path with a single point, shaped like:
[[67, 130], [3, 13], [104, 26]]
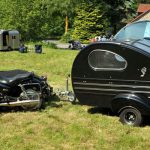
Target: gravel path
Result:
[[59, 44]]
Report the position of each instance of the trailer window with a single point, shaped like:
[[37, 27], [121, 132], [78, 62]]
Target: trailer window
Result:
[[106, 60]]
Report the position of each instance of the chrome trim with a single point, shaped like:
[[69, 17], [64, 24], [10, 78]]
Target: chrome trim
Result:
[[112, 85], [107, 69], [87, 92], [20, 103], [38, 84], [110, 90], [109, 80]]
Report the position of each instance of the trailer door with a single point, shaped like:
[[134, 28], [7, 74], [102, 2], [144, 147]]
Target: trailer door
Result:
[[5, 38], [14, 39]]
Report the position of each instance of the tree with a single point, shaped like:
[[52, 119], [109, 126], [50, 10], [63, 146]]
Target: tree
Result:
[[40, 19], [119, 12], [29, 17], [63, 8], [90, 21], [143, 1]]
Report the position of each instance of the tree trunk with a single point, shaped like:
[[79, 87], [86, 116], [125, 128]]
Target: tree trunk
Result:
[[66, 25]]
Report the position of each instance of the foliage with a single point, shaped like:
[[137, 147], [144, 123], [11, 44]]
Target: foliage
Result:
[[41, 19], [29, 17], [90, 21], [51, 45], [143, 1], [48, 44], [37, 19], [67, 36], [119, 12], [96, 18], [63, 8]]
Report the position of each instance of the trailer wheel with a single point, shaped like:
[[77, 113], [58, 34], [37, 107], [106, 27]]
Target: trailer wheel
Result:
[[131, 116]]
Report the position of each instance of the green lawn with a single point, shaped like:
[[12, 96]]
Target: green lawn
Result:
[[62, 126]]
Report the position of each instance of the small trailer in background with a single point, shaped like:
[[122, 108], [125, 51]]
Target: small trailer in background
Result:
[[9, 39]]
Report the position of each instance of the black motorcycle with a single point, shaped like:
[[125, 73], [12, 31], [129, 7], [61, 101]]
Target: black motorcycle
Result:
[[23, 88], [75, 45]]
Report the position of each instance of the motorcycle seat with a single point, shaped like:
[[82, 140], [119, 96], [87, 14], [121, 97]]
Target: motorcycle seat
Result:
[[9, 77]]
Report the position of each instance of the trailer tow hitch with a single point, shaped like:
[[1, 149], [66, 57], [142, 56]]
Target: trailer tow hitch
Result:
[[66, 95]]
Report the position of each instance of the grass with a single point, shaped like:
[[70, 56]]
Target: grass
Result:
[[56, 64], [62, 126]]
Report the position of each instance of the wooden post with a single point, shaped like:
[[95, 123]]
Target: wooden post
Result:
[[66, 26]]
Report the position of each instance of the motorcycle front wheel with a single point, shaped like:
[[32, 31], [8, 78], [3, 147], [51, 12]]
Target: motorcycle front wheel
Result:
[[33, 98]]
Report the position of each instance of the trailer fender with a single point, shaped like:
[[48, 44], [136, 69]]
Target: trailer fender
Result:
[[122, 101]]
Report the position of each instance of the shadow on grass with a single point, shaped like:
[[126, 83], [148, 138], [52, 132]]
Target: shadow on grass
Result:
[[29, 51], [2, 51], [95, 110], [108, 112], [146, 121], [51, 102], [9, 109]]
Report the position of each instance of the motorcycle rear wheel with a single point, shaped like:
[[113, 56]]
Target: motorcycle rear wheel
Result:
[[31, 95]]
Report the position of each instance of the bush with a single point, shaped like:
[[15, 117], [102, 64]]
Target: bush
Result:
[[66, 37], [89, 22], [43, 43], [49, 45]]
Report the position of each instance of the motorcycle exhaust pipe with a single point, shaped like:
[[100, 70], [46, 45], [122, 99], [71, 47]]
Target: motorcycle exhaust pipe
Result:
[[20, 103]]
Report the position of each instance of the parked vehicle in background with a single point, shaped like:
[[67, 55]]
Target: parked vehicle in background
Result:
[[9, 39], [75, 45], [135, 31]]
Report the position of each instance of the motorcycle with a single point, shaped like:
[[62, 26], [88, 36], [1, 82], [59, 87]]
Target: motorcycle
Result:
[[23, 88], [75, 45]]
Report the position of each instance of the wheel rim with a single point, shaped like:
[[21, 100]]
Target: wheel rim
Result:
[[130, 118], [32, 95]]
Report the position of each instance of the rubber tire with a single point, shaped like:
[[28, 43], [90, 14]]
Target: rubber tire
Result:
[[138, 117]]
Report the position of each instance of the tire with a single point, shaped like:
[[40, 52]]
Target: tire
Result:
[[131, 116], [32, 95]]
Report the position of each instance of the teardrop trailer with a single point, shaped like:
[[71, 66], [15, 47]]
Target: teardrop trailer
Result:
[[115, 75]]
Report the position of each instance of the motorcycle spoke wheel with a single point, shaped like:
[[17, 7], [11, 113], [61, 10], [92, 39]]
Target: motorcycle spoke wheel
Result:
[[32, 95]]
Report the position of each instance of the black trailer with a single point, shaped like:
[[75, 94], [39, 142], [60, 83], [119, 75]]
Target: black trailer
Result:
[[115, 75]]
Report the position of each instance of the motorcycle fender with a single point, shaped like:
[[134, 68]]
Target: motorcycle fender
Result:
[[123, 101]]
